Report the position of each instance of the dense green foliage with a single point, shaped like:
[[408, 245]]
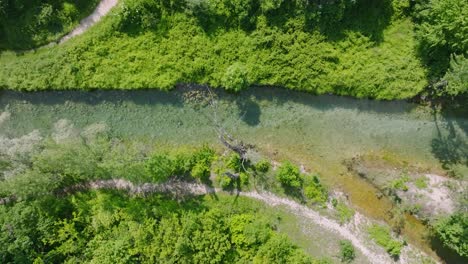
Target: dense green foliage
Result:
[[381, 235], [361, 48], [289, 176], [347, 253], [106, 227], [443, 30], [315, 192], [25, 24], [457, 76], [453, 232]]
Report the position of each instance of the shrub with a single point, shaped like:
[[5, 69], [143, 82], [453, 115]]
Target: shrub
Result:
[[443, 25], [262, 166], [201, 171], [201, 161], [347, 253], [234, 162], [160, 167], [381, 235], [289, 175], [457, 76], [226, 182], [344, 212], [421, 182], [315, 192], [235, 78], [244, 178], [453, 232], [400, 183]]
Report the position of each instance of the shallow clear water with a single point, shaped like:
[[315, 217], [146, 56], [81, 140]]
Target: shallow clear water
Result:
[[332, 127], [316, 131]]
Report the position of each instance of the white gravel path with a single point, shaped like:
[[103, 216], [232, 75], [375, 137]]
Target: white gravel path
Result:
[[101, 10]]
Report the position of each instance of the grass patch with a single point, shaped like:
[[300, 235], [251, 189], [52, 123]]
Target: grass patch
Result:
[[381, 235], [421, 182]]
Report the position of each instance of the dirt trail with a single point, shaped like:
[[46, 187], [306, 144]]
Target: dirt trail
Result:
[[101, 10], [352, 231]]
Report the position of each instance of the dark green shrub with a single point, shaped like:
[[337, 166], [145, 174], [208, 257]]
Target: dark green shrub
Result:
[[347, 252], [235, 78], [160, 167], [244, 178], [457, 76], [201, 162], [234, 162], [226, 182], [453, 232], [262, 166]]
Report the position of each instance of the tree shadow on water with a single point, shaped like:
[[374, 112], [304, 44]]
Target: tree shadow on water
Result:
[[446, 254], [249, 111], [449, 148]]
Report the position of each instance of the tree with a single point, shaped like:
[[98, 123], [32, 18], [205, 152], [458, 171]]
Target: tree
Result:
[[289, 175], [235, 78], [457, 76], [160, 167], [444, 25], [453, 232]]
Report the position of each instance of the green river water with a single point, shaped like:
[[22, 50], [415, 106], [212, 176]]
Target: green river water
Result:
[[319, 132]]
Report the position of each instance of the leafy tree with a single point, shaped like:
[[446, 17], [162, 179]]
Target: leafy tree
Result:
[[269, 5], [457, 76], [278, 249], [235, 78], [234, 162], [263, 166], [289, 175], [315, 191], [161, 167], [453, 232], [443, 25]]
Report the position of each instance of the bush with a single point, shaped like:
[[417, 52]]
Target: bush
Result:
[[235, 78], [443, 25], [226, 182], [29, 24], [244, 178], [381, 235], [234, 162], [347, 253], [201, 161], [160, 167], [315, 192], [344, 212], [262, 166], [457, 76], [453, 232], [289, 175]]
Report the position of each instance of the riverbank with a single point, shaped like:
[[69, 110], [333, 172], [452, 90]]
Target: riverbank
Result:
[[139, 46]]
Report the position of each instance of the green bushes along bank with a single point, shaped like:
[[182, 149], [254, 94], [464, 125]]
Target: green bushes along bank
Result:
[[379, 49]]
